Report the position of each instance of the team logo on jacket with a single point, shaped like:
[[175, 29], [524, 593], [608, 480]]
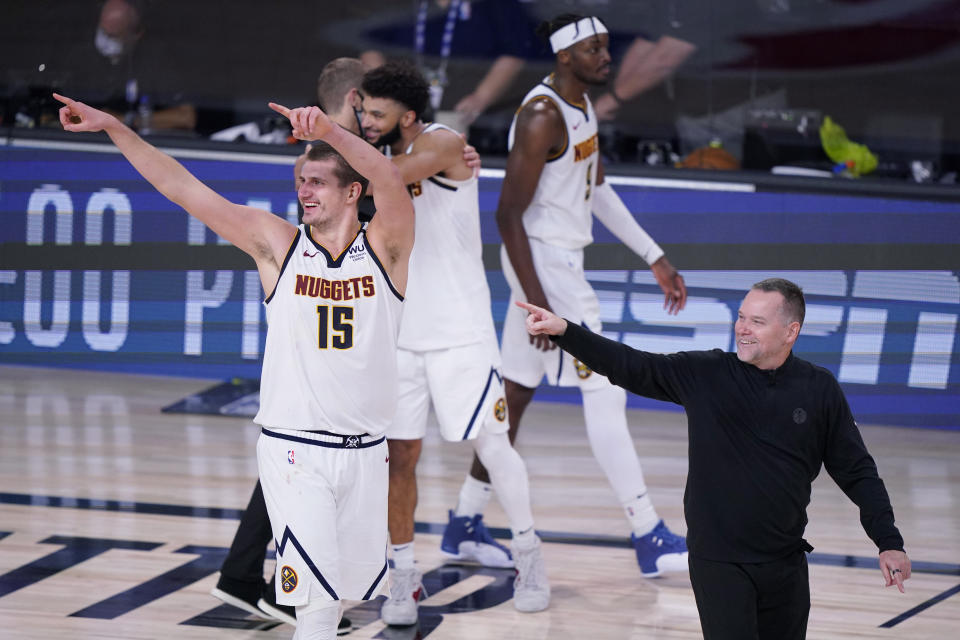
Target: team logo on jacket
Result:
[[500, 410], [583, 371], [288, 578], [799, 416]]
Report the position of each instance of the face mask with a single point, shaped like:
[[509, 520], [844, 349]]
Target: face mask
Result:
[[107, 45], [358, 114]]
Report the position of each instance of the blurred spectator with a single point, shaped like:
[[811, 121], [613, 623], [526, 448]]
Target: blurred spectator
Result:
[[118, 70], [498, 30]]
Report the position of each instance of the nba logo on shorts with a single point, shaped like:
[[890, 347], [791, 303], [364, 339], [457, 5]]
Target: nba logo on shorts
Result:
[[290, 456]]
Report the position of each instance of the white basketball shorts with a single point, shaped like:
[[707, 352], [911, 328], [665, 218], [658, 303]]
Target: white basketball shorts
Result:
[[570, 295], [466, 388], [326, 497]]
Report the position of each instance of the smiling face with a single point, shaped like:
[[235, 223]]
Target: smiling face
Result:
[[323, 198], [764, 334], [589, 60], [382, 120]]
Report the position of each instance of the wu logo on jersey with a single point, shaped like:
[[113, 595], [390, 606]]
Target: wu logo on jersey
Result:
[[357, 252]]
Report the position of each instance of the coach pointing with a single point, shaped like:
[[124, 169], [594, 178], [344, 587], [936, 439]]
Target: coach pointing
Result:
[[761, 423]]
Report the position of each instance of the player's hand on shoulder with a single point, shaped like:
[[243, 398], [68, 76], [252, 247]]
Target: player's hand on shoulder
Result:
[[470, 155]]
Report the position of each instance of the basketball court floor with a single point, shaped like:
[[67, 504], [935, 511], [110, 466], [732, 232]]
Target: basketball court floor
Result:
[[115, 516]]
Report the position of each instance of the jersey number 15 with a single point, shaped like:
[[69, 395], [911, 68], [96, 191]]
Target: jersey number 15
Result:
[[335, 327]]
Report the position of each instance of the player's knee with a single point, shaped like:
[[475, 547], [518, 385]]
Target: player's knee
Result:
[[491, 446], [318, 619], [608, 393]]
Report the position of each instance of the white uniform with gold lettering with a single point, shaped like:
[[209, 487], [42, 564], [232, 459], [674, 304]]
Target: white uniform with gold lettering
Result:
[[448, 345], [328, 392], [559, 224]]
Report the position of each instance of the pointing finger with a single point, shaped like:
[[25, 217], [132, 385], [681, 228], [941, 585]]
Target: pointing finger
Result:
[[279, 108], [64, 99]]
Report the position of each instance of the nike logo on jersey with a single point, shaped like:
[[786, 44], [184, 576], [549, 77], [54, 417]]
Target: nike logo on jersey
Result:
[[577, 126], [307, 254]]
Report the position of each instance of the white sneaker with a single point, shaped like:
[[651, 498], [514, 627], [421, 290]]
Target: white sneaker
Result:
[[406, 589], [531, 589]]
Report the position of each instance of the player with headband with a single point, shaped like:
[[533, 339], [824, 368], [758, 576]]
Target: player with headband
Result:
[[554, 180]]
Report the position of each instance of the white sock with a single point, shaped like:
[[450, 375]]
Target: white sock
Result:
[[403, 556], [474, 496], [641, 514], [318, 620], [604, 411], [525, 539], [509, 477]]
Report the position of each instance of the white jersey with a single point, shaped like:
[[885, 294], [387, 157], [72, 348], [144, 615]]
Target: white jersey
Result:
[[330, 360], [560, 212], [447, 299]]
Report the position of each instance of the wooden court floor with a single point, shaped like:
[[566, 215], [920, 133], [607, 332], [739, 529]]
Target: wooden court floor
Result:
[[114, 518]]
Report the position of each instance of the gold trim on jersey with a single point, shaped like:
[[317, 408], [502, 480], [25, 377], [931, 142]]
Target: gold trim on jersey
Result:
[[566, 141], [331, 261], [286, 259]]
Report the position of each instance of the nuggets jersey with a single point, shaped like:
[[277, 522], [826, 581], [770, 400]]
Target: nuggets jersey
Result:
[[330, 361], [560, 213], [447, 299]]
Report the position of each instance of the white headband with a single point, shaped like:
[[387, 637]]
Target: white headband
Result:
[[574, 32]]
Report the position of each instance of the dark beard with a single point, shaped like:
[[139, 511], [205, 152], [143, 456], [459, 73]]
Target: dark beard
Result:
[[591, 82], [387, 139]]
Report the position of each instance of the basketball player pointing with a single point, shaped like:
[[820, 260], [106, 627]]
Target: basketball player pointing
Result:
[[554, 180], [329, 382]]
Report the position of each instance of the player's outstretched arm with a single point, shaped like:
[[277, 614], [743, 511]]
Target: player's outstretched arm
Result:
[[440, 151], [259, 233]]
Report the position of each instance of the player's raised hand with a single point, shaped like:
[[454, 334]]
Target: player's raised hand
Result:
[[543, 322], [309, 123], [76, 116]]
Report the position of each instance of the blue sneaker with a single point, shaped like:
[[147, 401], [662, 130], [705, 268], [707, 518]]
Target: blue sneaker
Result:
[[466, 539], [660, 550]]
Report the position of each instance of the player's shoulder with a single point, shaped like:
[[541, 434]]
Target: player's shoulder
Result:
[[438, 138], [541, 116]]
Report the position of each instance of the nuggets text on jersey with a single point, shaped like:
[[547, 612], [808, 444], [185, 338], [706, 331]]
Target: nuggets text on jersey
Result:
[[334, 289]]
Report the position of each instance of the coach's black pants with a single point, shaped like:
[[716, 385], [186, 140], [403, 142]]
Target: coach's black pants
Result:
[[244, 562], [765, 601]]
